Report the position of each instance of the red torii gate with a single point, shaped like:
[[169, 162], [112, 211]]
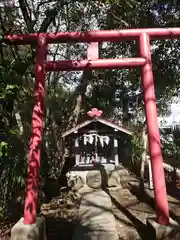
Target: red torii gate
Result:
[[144, 61]]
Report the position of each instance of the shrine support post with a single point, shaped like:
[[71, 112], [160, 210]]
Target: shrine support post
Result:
[[153, 133], [30, 207]]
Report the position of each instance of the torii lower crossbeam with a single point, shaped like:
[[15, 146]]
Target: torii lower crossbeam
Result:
[[143, 60]]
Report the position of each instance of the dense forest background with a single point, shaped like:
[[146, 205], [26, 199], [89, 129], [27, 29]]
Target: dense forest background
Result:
[[69, 95]]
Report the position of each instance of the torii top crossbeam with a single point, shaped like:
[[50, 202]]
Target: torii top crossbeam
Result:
[[96, 36]]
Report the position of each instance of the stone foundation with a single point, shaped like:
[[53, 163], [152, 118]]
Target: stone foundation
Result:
[[107, 176], [23, 231], [160, 232]]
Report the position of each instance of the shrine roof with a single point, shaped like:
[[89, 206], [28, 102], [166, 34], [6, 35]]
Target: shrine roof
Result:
[[97, 119]]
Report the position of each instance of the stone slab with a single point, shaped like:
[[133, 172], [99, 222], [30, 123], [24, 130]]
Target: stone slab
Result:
[[96, 218], [22, 231], [160, 232]]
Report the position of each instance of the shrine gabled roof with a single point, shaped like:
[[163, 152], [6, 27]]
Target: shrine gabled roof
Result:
[[100, 120]]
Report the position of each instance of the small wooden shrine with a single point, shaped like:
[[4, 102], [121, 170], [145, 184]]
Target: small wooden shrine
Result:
[[97, 140]]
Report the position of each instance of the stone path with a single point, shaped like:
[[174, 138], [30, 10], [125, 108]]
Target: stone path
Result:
[[116, 215], [96, 218]]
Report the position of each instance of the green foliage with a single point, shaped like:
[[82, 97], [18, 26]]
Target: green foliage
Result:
[[3, 149], [171, 143], [137, 143], [130, 3], [137, 147]]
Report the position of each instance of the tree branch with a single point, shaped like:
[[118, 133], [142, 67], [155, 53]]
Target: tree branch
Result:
[[52, 13], [23, 6]]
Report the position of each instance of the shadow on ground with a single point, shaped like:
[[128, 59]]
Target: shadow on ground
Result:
[[60, 229], [140, 227], [146, 198]]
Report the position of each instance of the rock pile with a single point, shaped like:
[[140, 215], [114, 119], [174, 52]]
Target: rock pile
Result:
[[61, 214], [64, 206]]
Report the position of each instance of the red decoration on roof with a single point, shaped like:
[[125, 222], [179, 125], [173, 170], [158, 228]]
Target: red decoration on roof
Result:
[[94, 112]]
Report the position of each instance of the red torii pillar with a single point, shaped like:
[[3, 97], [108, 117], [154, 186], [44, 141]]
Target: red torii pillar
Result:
[[143, 36], [37, 132]]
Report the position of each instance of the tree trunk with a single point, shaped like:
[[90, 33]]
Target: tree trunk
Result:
[[81, 90]]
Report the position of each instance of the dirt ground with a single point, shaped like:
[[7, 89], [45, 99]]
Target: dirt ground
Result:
[[131, 215], [5, 229]]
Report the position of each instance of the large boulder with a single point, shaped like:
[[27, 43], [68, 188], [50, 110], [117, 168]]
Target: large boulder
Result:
[[94, 179], [125, 177], [96, 218], [75, 182], [114, 179]]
